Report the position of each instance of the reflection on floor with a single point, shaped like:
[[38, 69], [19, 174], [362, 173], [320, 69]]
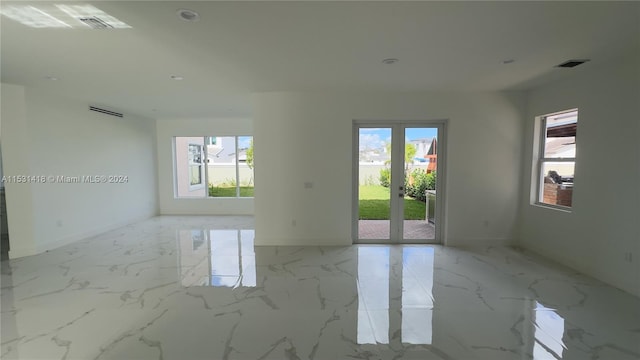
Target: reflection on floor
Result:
[[377, 295], [196, 288], [217, 257]]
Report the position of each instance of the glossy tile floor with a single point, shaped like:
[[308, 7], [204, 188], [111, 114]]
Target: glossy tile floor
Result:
[[196, 288]]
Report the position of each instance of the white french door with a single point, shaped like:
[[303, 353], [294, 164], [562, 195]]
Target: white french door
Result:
[[398, 181]]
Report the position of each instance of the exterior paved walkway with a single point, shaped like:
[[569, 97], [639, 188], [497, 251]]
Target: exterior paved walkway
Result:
[[379, 229]]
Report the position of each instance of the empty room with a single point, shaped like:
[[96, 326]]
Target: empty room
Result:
[[320, 180]]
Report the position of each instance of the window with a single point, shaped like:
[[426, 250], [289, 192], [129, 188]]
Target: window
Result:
[[195, 165], [223, 163], [556, 159], [212, 140]]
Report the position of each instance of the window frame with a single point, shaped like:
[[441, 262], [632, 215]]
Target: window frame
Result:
[[204, 166], [200, 165], [541, 160], [211, 141]]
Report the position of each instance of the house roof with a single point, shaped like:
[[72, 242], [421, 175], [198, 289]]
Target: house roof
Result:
[[563, 130], [433, 148], [560, 147]]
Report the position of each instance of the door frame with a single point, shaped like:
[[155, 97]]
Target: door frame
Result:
[[397, 146]]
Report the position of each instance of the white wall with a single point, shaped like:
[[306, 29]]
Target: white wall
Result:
[[169, 204], [307, 137], [16, 160], [49, 135], [603, 224], [1, 182]]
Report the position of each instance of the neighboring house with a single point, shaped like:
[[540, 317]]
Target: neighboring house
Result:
[[422, 147], [218, 154], [189, 153], [375, 156], [560, 143], [222, 150], [432, 156], [425, 150]]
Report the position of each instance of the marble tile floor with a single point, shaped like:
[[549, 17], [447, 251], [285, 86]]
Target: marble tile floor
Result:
[[196, 288]]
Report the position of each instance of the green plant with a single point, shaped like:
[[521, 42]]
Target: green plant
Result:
[[385, 177], [230, 191], [228, 182], [250, 155], [416, 186], [415, 183], [419, 183], [431, 181], [410, 151]]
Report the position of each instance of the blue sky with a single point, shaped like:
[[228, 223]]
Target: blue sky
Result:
[[244, 141], [419, 133], [411, 133], [376, 137]]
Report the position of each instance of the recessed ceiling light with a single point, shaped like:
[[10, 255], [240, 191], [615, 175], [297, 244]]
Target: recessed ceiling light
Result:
[[188, 15], [177, 77], [390, 61], [52, 78]]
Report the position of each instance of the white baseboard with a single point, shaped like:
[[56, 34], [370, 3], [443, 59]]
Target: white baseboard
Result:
[[306, 242], [471, 242]]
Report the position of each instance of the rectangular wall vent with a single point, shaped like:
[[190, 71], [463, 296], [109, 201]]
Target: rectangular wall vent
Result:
[[95, 22], [105, 111], [572, 63]]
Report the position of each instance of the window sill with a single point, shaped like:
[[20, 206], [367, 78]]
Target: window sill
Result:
[[561, 208]]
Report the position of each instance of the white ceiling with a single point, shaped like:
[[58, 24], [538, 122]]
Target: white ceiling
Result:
[[241, 47]]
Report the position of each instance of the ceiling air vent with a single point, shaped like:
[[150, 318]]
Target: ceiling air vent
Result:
[[572, 63], [95, 22], [104, 111]]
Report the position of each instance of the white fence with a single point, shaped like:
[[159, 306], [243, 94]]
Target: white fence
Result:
[[219, 174], [369, 174], [225, 174]]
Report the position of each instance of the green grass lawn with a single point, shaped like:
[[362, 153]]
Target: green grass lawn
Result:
[[374, 204], [225, 191]]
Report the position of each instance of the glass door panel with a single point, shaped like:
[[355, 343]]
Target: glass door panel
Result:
[[374, 181], [397, 167], [420, 167]]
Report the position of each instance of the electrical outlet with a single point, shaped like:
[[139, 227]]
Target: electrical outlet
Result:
[[628, 257]]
